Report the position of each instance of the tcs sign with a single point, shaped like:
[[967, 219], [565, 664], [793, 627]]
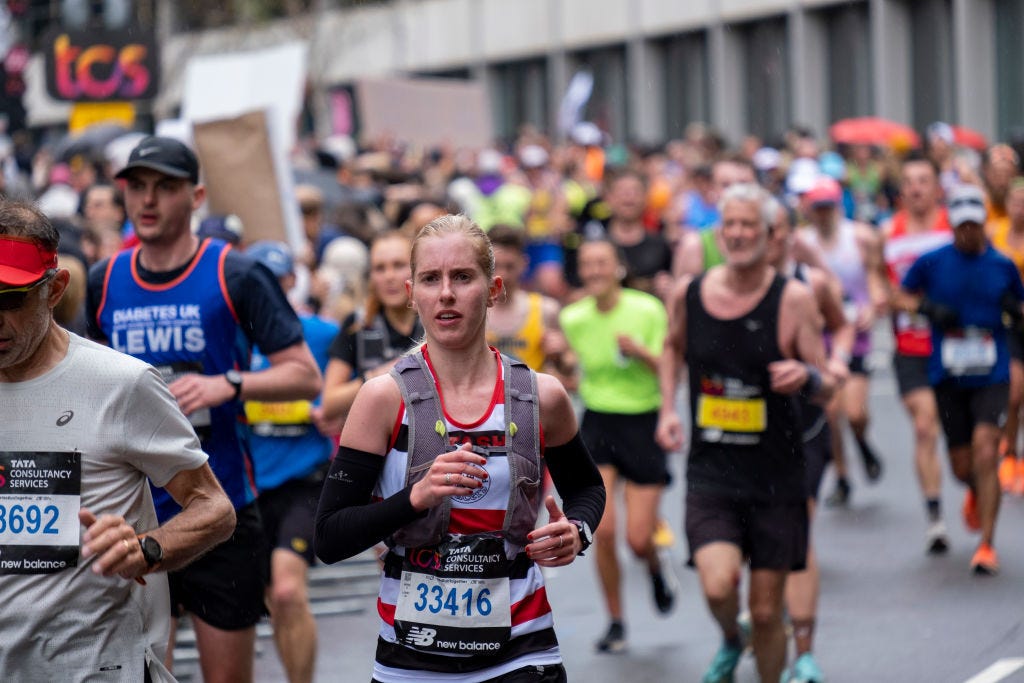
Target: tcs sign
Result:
[[96, 65]]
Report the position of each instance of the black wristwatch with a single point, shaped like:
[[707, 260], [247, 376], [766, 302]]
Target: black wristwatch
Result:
[[152, 553], [234, 378], [586, 536]]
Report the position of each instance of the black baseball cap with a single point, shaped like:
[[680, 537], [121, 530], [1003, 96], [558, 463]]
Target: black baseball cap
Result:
[[166, 155]]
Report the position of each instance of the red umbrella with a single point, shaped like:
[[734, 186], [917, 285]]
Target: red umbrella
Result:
[[874, 130], [968, 137]]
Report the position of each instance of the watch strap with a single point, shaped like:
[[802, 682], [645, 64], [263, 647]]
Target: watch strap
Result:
[[234, 378], [586, 539], [151, 562]]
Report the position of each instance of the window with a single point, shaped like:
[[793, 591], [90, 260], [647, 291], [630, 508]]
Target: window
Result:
[[519, 96], [766, 69], [932, 76], [1009, 17], [686, 82], [608, 103], [201, 14], [849, 61]]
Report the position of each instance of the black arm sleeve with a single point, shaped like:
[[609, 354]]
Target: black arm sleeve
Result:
[[347, 522], [577, 480]]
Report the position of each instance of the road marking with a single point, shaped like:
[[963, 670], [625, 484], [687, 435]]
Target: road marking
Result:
[[998, 671]]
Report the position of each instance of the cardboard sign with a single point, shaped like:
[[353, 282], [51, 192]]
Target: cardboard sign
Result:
[[238, 170], [425, 111], [250, 163]]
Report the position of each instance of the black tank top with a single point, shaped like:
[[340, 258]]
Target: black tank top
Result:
[[745, 441]]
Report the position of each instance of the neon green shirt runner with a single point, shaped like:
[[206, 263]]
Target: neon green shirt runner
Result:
[[611, 382], [712, 254]]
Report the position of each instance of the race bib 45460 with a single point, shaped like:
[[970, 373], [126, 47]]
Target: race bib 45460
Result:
[[40, 495]]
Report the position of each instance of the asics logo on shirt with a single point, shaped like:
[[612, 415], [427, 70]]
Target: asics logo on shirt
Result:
[[65, 417]]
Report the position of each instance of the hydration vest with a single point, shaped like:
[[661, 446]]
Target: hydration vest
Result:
[[428, 437], [373, 342]]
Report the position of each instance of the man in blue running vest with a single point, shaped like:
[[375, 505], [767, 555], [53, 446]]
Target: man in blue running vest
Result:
[[194, 309]]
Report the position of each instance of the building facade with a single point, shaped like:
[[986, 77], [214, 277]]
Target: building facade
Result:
[[744, 66]]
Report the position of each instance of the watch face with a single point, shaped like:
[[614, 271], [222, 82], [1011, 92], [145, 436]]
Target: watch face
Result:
[[585, 535], [233, 376], [151, 550]]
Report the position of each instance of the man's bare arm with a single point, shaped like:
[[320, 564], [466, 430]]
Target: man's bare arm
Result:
[[669, 432], [207, 518]]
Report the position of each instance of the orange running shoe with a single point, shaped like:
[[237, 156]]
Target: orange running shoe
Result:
[[970, 512], [1009, 472], [1018, 480], [985, 561]]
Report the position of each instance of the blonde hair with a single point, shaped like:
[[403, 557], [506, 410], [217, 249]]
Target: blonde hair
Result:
[[372, 305], [458, 224]]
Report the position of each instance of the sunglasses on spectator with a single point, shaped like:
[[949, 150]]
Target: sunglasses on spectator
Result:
[[13, 299]]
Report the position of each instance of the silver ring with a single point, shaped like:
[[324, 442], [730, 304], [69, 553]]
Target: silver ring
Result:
[[559, 540], [448, 479]]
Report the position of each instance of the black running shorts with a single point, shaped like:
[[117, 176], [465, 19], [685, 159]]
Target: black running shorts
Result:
[[818, 454], [962, 409], [911, 372], [225, 586], [770, 535], [289, 515], [627, 443], [1015, 344]]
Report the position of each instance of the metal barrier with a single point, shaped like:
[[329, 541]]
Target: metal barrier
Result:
[[342, 589]]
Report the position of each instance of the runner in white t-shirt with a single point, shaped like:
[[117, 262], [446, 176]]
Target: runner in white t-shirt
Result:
[[84, 428]]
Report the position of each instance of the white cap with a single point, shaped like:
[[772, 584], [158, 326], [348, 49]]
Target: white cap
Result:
[[587, 134], [766, 159], [803, 173], [488, 161], [533, 156], [966, 204], [341, 147]]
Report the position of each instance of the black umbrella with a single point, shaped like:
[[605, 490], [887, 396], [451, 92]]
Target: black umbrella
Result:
[[89, 143]]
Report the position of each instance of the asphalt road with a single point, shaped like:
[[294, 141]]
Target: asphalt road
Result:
[[888, 611]]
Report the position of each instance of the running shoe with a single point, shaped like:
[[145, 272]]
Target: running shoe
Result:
[[664, 596], [614, 641], [723, 666], [872, 464], [985, 561], [873, 468], [1018, 480], [970, 512], [1008, 472], [805, 670], [840, 496], [746, 627], [936, 538]]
